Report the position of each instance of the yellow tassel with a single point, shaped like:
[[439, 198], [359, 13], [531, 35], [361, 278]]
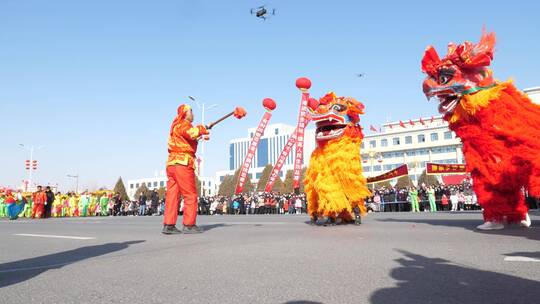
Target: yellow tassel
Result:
[[472, 103]]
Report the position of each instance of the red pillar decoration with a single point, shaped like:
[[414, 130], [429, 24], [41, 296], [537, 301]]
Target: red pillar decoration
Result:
[[303, 84], [296, 138], [269, 104]]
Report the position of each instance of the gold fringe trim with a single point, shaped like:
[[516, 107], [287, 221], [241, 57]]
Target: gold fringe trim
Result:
[[472, 103]]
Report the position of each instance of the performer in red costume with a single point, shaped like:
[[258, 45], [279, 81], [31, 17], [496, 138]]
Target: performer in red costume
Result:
[[40, 199], [183, 139], [497, 124]]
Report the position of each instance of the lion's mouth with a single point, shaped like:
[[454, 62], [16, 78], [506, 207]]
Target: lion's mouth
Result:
[[326, 131], [447, 103]]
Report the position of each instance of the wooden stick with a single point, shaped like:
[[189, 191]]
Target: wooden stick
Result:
[[210, 125]]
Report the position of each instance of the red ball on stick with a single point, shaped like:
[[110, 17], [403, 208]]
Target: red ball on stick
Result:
[[269, 104], [303, 83]]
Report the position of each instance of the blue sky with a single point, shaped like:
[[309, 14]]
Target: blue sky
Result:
[[97, 83]]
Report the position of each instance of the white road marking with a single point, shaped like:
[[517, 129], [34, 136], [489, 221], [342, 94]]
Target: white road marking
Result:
[[520, 259], [57, 236]]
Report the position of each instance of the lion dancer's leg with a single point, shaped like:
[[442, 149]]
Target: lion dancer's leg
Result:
[[488, 201], [359, 211], [312, 207], [533, 188], [500, 204]]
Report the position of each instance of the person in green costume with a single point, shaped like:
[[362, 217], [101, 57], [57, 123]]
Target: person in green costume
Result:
[[2, 205], [83, 204], [93, 205], [104, 202], [431, 199], [27, 211], [413, 195]]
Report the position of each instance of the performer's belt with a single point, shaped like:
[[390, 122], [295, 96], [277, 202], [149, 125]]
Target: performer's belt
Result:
[[183, 159]]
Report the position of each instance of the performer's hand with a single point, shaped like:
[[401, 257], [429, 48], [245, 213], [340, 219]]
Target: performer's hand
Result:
[[206, 137], [203, 130]]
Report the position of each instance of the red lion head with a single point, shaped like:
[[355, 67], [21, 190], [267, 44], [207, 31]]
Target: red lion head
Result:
[[463, 71]]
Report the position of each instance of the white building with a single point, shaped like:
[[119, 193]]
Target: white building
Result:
[[412, 144], [534, 94], [271, 144], [208, 185], [384, 151]]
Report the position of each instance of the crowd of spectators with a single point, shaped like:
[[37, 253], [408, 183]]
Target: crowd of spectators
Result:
[[257, 203], [384, 199]]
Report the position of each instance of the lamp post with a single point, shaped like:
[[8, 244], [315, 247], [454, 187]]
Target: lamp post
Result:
[[203, 108], [76, 177], [415, 166], [372, 155], [31, 168]]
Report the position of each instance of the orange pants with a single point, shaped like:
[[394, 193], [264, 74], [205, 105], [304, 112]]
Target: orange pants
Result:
[[37, 210], [181, 181]]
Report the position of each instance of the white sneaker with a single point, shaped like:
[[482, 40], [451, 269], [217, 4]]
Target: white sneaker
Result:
[[526, 222], [490, 226]]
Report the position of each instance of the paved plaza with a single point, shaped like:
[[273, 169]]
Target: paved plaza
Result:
[[390, 258]]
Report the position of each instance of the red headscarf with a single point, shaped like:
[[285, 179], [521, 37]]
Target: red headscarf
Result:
[[183, 109]]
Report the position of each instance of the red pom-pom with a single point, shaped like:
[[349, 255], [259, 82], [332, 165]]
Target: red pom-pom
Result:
[[313, 103], [269, 104], [303, 83], [239, 112]]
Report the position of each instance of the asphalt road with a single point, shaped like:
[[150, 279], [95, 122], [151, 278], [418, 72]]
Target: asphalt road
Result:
[[390, 258]]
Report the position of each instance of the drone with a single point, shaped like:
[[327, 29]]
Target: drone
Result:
[[262, 12]]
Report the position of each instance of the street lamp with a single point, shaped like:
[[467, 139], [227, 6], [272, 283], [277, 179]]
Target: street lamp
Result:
[[31, 149], [415, 166], [76, 177], [372, 155], [202, 107]]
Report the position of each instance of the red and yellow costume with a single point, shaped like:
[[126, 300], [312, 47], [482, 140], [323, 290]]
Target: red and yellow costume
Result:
[[183, 138], [497, 124], [334, 183], [39, 198]]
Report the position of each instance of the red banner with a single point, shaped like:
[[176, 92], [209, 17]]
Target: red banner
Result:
[[433, 168], [397, 172], [301, 126], [243, 177], [281, 160]]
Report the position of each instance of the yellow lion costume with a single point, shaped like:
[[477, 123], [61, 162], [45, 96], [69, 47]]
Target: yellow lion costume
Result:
[[334, 184]]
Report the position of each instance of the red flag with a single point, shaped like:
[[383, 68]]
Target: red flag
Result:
[[431, 119], [422, 122], [372, 128], [410, 121], [402, 124]]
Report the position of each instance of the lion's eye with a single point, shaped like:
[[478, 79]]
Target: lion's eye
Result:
[[339, 107], [445, 75], [444, 79]]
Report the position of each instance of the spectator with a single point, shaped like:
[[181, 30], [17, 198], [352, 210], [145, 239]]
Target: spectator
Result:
[[154, 201], [49, 202], [142, 203]]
